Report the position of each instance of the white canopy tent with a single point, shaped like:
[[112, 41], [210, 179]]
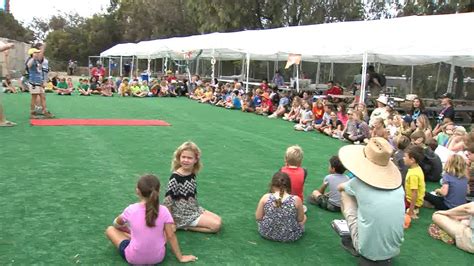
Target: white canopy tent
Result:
[[414, 40]]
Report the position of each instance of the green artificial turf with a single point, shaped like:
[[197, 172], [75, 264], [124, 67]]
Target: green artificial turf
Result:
[[60, 187]]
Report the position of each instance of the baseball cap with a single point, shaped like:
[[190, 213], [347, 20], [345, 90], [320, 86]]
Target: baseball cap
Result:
[[33, 50]]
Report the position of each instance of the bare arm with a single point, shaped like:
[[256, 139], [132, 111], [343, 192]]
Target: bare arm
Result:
[[4, 47], [119, 222], [300, 209], [443, 191], [173, 241], [259, 212], [322, 188]]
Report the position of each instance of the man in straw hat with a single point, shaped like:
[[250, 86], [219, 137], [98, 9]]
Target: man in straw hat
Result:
[[372, 202]]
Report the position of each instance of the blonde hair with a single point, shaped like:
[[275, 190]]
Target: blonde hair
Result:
[[423, 119], [456, 166], [187, 146], [294, 155]]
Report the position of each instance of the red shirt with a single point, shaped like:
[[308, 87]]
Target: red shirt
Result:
[[318, 113], [335, 90], [297, 176], [96, 72]]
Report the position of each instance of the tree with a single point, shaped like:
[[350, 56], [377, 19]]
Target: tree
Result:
[[12, 29]]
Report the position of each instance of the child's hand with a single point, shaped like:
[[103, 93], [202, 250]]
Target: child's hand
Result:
[[188, 258]]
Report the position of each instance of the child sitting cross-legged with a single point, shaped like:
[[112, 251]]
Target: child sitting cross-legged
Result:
[[331, 200], [414, 181], [454, 186], [181, 195], [280, 215], [306, 118], [140, 233]]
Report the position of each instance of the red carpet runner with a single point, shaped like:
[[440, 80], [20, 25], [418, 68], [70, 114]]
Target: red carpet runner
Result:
[[97, 122]]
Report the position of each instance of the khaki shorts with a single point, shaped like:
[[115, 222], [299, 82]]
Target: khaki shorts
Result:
[[35, 89]]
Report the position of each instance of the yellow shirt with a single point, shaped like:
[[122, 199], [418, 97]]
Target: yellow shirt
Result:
[[415, 179]]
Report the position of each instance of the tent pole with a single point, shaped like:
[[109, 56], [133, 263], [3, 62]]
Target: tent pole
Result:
[[451, 78], [268, 71], [213, 64], [411, 81], [318, 72], [248, 70], [109, 66], [197, 66], [437, 77], [297, 79], [121, 57], [331, 72], [148, 66], [136, 70], [131, 69], [242, 73], [364, 78]]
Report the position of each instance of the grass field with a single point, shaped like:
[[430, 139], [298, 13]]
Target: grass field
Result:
[[60, 187]]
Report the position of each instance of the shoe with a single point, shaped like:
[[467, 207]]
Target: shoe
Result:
[[48, 115], [346, 243], [272, 116], [7, 124], [305, 209]]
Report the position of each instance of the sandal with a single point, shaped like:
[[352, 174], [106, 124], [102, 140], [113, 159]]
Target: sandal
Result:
[[437, 233], [7, 124]]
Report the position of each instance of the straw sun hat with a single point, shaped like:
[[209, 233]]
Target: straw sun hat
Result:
[[372, 163]]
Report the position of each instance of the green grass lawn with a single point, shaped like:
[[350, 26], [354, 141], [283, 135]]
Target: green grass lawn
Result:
[[60, 187]]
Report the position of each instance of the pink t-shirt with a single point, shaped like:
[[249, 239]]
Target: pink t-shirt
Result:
[[147, 244]]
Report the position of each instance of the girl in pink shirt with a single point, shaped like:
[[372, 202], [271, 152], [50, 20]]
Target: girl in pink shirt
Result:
[[140, 233]]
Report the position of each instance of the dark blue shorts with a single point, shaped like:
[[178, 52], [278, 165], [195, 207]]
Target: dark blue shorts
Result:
[[123, 245]]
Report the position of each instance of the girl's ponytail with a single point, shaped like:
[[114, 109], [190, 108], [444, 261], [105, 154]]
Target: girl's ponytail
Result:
[[281, 181], [149, 187], [280, 198], [152, 204]]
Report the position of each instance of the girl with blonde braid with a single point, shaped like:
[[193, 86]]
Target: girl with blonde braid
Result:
[[280, 215]]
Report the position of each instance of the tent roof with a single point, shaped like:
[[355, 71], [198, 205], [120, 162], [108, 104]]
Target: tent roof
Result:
[[400, 41]]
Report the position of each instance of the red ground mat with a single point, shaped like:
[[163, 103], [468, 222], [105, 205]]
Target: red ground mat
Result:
[[97, 122]]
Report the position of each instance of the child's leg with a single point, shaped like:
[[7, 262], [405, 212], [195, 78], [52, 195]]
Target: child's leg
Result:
[[449, 225], [208, 223], [116, 236]]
